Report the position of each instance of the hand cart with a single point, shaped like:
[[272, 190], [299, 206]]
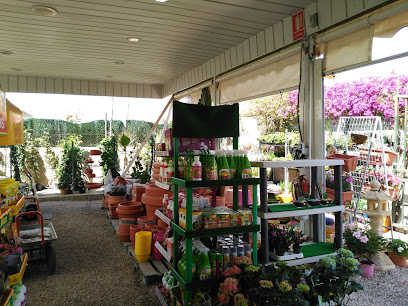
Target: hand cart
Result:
[[36, 240]]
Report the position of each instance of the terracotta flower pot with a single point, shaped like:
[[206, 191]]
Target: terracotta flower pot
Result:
[[90, 175], [130, 206], [146, 220], [95, 152], [124, 237], [161, 223], [116, 199], [398, 260], [64, 191], [350, 161], [347, 196], [123, 228]]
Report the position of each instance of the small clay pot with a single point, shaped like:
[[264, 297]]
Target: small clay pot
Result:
[[146, 220], [161, 223], [95, 152], [161, 229], [130, 206]]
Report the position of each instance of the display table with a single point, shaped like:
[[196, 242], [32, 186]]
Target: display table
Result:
[[266, 214]]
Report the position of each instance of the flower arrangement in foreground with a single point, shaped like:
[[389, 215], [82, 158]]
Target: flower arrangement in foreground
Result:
[[364, 242], [328, 280]]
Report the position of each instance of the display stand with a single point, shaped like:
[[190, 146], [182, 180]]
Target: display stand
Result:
[[190, 119], [266, 214]]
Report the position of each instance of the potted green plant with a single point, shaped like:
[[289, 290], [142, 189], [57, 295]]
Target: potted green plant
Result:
[[365, 244], [69, 170], [398, 252], [346, 181], [109, 154]]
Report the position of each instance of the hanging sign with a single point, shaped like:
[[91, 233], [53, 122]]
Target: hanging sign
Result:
[[298, 26], [3, 113], [15, 126]]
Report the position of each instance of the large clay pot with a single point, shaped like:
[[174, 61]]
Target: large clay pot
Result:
[[398, 260], [116, 199], [137, 193], [112, 209], [367, 269]]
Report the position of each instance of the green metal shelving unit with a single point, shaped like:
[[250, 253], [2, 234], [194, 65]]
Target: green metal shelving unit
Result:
[[189, 234]]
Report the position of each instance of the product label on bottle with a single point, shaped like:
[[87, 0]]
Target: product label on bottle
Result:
[[205, 274], [224, 174], [233, 173], [234, 258], [226, 261], [247, 173], [196, 173], [214, 268], [170, 174], [211, 174]]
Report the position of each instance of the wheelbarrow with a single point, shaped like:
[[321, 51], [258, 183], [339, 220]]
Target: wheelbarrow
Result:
[[36, 240]]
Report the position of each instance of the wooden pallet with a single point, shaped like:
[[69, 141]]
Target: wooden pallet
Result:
[[157, 291], [152, 271]]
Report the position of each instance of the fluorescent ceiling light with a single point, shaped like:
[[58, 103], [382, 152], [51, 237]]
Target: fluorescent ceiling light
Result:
[[134, 39], [44, 10], [162, 0]]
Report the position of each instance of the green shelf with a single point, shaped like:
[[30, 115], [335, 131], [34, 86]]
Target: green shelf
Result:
[[292, 207], [207, 283], [218, 183], [200, 233]]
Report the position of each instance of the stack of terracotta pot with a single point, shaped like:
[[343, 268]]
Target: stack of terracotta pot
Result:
[[153, 199], [113, 204], [156, 171], [123, 231], [137, 193], [105, 202], [129, 209]]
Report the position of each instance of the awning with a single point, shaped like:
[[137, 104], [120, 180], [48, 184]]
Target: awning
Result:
[[15, 126]]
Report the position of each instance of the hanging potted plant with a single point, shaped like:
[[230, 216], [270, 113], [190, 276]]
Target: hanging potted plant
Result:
[[365, 244], [398, 252], [346, 181]]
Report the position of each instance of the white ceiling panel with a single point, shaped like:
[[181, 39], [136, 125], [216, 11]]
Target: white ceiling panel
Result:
[[85, 39]]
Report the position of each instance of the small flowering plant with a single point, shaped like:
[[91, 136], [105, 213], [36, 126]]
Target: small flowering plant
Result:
[[331, 277], [393, 181], [364, 243], [346, 181], [398, 246]]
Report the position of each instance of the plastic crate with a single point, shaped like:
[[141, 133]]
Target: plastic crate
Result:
[[5, 217], [18, 277], [7, 299]]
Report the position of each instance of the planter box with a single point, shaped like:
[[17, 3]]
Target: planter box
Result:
[[350, 161], [347, 196], [376, 156]]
